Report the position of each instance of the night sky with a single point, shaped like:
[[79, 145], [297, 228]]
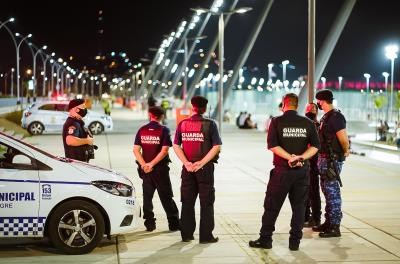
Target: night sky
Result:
[[70, 28]]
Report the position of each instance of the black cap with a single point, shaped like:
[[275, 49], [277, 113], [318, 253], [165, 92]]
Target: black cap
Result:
[[157, 111], [199, 101], [325, 95], [75, 102]]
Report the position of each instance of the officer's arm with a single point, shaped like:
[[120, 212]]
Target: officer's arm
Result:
[[211, 154], [138, 155], [278, 150], [179, 152], [344, 141], [311, 151], [75, 141], [160, 156]]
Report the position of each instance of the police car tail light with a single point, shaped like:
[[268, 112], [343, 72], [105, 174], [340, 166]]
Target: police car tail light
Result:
[[115, 188], [28, 114]]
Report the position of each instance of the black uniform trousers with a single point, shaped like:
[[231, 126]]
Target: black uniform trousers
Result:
[[313, 208], [159, 180], [198, 183], [284, 181]]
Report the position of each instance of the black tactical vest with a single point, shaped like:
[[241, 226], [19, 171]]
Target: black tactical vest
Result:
[[196, 138]]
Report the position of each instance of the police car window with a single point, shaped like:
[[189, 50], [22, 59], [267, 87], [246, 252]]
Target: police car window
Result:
[[11, 158], [61, 107], [48, 107]]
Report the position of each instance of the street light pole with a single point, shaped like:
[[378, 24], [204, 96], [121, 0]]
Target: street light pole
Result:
[[391, 53], [12, 81], [221, 28], [185, 63], [323, 79], [340, 82], [44, 73], [34, 70], [367, 76], [386, 75], [284, 63], [18, 76]]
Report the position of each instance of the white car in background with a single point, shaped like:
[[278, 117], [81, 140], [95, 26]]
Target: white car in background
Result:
[[50, 116], [72, 203]]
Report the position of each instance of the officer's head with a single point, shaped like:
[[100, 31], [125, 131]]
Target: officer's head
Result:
[[324, 99], [199, 104], [156, 113], [77, 108], [290, 102]]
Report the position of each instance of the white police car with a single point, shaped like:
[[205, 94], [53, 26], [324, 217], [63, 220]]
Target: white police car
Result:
[[72, 203], [50, 116]]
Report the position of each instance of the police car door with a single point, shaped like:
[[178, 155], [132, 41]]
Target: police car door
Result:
[[19, 192]]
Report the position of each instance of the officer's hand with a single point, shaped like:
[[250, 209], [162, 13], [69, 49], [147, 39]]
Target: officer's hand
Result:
[[347, 153], [89, 140], [295, 161], [147, 168], [189, 166], [197, 166]]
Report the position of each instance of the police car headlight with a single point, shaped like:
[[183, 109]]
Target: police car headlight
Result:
[[115, 188]]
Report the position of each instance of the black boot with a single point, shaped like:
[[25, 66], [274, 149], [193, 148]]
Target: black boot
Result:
[[311, 223], [260, 243], [321, 228], [150, 224], [332, 231], [173, 224]]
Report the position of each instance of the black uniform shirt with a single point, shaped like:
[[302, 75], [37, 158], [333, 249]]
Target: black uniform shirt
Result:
[[293, 133], [74, 127], [331, 123], [152, 137]]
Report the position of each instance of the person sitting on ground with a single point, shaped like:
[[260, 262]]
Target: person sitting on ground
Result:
[[238, 119], [248, 123]]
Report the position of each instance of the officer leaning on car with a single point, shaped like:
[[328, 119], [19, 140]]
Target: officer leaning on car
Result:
[[197, 144], [334, 149], [293, 139], [78, 141], [151, 151]]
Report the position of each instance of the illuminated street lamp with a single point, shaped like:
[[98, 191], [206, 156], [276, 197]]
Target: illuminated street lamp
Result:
[[323, 79], [391, 54], [44, 72], [386, 75], [7, 21], [270, 65], [18, 58]]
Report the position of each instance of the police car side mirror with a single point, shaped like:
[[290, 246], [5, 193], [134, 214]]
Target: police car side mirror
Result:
[[21, 160]]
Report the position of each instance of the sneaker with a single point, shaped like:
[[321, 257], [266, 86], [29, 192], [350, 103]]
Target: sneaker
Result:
[[260, 244]]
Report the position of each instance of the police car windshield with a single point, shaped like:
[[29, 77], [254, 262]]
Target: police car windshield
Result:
[[35, 148]]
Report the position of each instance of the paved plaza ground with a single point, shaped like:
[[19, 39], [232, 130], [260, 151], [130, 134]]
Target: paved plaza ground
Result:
[[370, 227]]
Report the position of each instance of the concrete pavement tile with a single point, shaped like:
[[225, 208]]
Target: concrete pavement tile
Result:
[[187, 259], [383, 240]]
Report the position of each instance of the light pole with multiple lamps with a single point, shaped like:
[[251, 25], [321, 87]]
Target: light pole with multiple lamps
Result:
[[391, 53], [367, 76], [44, 73], [221, 27]]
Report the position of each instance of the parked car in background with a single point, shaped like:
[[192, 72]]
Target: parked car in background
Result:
[[50, 116]]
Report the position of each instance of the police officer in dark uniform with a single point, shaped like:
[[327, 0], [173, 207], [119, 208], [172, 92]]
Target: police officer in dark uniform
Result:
[[197, 144], [293, 139], [335, 148], [76, 138], [313, 207], [151, 147]]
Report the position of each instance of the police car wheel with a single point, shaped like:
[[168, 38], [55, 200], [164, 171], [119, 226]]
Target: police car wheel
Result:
[[76, 227], [96, 128], [35, 128]]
